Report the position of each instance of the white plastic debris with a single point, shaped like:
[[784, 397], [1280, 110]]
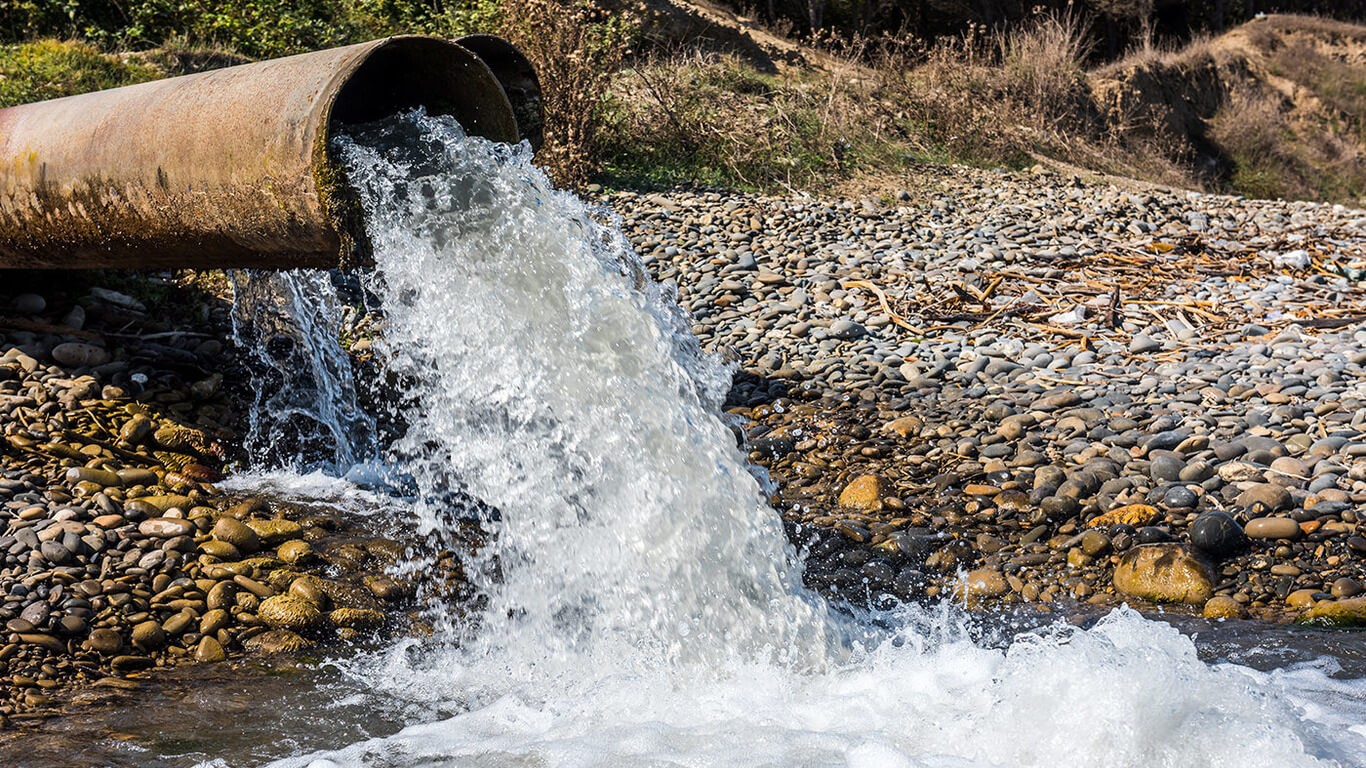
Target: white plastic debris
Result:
[[1296, 259]]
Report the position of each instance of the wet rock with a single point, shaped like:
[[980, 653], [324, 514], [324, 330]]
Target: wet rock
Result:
[[385, 588], [288, 612], [865, 492], [295, 552], [1349, 612], [277, 641], [1094, 543], [1346, 587], [1179, 497], [149, 636], [1217, 534], [236, 533], [983, 583], [274, 532], [356, 618], [1223, 607], [105, 641], [1164, 573], [209, 650]]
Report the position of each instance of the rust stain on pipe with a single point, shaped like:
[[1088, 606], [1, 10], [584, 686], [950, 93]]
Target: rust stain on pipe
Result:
[[227, 168]]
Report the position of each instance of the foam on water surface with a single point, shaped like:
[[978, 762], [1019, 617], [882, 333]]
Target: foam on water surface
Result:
[[643, 605]]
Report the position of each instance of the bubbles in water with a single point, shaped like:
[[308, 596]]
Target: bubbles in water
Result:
[[643, 606], [304, 410]]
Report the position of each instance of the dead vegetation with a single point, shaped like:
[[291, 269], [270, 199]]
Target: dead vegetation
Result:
[[1272, 109]]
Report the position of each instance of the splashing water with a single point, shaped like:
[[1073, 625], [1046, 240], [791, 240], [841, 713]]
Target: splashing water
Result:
[[304, 401], [643, 605]]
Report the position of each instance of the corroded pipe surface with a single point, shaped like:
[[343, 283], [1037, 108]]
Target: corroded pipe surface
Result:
[[518, 78], [227, 168]]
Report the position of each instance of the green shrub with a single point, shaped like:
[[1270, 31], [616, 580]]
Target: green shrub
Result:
[[49, 69], [256, 28]]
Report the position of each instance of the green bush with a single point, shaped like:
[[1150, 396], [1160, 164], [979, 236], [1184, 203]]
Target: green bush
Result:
[[49, 69], [257, 28]]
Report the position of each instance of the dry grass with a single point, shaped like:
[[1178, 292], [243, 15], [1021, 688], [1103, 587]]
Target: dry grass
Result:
[[576, 47], [1274, 109], [713, 119], [882, 106]]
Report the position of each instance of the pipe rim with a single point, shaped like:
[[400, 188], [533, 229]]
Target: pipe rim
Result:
[[396, 74]]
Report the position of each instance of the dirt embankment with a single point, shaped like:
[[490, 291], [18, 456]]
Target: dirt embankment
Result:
[[1274, 108]]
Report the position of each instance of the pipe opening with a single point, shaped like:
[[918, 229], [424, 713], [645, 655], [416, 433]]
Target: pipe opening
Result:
[[518, 78], [401, 74], [408, 72]]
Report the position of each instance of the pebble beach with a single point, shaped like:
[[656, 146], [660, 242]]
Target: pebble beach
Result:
[[995, 388], [1030, 388]]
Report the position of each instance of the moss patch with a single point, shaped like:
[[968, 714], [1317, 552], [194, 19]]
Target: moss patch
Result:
[[50, 69]]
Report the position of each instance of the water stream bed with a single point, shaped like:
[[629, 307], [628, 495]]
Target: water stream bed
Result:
[[248, 714], [641, 605]]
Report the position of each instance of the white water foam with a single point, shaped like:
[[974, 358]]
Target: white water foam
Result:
[[643, 606]]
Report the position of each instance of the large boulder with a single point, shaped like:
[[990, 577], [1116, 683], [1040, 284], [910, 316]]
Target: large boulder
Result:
[[1164, 573], [1337, 613]]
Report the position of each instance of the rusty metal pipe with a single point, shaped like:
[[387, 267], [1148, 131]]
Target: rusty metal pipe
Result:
[[228, 168]]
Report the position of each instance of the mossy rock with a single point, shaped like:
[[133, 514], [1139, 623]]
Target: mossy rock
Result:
[[356, 618], [278, 641], [289, 612], [1164, 573], [276, 532], [1336, 613]]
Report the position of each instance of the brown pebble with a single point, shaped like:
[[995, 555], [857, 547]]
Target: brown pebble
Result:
[[294, 552], [1345, 587], [1223, 607], [221, 595], [213, 621], [42, 640], [1301, 598], [384, 587], [307, 588], [105, 641], [253, 586], [220, 549], [1272, 528], [131, 663], [209, 651], [177, 624], [236, 533], [149, 636]]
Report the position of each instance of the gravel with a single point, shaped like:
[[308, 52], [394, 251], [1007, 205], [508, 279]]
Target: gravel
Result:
[[1015, 355]]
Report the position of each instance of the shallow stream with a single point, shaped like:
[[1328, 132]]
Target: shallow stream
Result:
[[643, 607]]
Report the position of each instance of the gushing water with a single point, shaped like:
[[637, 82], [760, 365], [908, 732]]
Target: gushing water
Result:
[[304, 408], [643, 607]]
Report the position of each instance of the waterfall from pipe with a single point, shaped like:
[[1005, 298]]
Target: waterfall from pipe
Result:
[[642, 604]]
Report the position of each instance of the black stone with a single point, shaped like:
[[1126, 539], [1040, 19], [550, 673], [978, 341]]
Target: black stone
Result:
[[1218, 534], [1059, 507], [1179, 497], [1152, 535]]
